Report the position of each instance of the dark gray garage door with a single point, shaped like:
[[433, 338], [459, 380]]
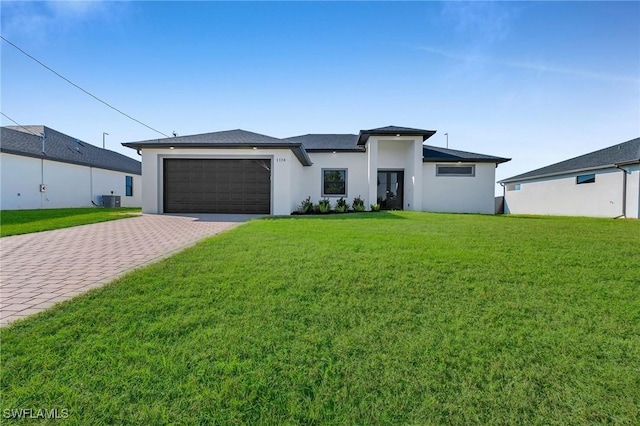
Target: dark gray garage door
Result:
[[217, 186]]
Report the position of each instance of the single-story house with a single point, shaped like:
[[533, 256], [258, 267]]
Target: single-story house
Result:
[[603, 183], [43, 168], [238, 171]]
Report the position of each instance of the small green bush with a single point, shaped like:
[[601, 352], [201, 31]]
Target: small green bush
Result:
[[375, 207], [324, 205], [306, 206], [341, 205], [358, 204]]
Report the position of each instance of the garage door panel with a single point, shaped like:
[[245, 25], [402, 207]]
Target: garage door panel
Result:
[[217, 186]]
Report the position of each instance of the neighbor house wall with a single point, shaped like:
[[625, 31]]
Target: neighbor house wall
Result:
[[560, 195], [633, 191], [282, 201], [68, 185], [459, 194]]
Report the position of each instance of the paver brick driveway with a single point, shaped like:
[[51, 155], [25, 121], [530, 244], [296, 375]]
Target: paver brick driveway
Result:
[[40, 269]]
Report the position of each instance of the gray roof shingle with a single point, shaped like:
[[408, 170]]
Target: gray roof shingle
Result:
[[328, 142], [446, 155], [225, 137], [63, 148], [237, 138], [622, 153]]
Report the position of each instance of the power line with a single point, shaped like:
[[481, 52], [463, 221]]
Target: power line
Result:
[[19, 125], [78, 87]]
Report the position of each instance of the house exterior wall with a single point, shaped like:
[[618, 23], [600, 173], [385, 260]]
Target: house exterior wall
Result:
[[459, 194], [310, 178], [282, 161], [68, 185], [399, 153], [560, 195]]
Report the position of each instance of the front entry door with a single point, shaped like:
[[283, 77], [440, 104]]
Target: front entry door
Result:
[[390, 190]]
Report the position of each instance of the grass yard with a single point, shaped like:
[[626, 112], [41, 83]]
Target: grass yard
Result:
[[14, 222], [390, 318]]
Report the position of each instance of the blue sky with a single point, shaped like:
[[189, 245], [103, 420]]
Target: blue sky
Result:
[[538, 82]]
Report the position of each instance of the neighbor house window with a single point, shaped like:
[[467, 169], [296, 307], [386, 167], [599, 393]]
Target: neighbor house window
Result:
[[128, 185], [334, 182], [590, 178], [513, 187], [455, 170]]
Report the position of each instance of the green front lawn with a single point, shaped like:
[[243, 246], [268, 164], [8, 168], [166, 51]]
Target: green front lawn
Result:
[[14, 222], [389, 318]]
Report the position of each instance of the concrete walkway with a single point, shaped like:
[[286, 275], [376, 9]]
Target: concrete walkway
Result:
[[40, 269]]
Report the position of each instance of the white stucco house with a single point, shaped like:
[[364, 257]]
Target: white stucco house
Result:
[[42, 168], [237, 171], [603, 183]]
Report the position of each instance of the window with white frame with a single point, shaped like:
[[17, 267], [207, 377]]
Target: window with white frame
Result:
[[455, 170], [334, 182]]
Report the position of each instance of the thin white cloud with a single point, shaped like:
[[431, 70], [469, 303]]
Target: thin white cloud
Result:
[[37, 19], [531, 66]]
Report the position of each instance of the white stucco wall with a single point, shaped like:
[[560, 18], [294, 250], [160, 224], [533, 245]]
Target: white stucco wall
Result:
[[282, 161], [292, 183], [402, 153], [459, 194], [310, 179], [68, 185], [560, 195]]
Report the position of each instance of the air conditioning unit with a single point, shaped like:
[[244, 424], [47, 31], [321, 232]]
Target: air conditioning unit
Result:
[[43, 188], [110, 201]]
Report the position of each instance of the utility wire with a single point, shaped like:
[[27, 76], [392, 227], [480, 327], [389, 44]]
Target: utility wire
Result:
[[78, 87], [20, 125]]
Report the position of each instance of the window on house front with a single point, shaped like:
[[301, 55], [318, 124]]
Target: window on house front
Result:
[[455, 170], [513, 187], [590, 178], [334, 182], [128, 184]]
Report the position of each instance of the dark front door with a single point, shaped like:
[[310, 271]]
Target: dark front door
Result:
[[390, 190]]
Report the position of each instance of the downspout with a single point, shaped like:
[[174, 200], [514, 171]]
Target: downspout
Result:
[[624, 191], [44, 138]]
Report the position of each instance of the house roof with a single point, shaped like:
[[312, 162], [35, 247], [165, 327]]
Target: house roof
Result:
[[363, 137], [237, 138], [63, 148], [616, 155], [446, 155], [302, 144], [328, 142]]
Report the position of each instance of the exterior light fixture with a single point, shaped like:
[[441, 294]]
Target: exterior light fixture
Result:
[[255, 147], [171, 147]]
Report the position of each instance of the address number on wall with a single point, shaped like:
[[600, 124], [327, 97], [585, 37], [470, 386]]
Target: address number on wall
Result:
[[281, 160]]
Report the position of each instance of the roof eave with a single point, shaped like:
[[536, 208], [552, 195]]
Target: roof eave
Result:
[[364, 135], [566, 172], [465, 160]]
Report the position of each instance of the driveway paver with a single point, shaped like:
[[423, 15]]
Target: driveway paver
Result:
[[40, 269]]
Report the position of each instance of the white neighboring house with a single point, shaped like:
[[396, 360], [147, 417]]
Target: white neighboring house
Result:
[[603, 183], [237, 171], [54, 170]]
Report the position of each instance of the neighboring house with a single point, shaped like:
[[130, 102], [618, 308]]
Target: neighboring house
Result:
[[603, 183], [54, 170], [237, 171]]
